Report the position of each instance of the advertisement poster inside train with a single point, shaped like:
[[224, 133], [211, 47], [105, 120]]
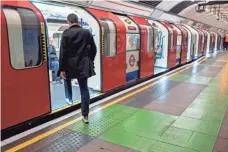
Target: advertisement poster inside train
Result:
[[159, 53], [133, 42]]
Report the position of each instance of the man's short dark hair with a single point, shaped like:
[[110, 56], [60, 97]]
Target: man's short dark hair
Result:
[[72, 18]]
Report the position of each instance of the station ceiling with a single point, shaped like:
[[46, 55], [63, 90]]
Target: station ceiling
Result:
[[211, 12]]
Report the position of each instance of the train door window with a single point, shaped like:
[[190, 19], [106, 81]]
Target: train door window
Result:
[[109, 37], [150, 41], [171, 38], [186, 38], [24, 35]]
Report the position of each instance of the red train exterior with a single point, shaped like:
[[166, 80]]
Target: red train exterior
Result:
[[25, 92]]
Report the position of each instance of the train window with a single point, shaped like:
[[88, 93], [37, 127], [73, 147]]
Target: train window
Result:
[[150, 41], [171, 37], [133, 42], [109, 37], [24, 37]]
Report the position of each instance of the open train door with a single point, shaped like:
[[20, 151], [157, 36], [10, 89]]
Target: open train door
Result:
[[147, 47], [201, 42], [189, 44], [215, 43], [162, 46], [205, 41], [207, 49], [184, 43], [24, 63], [212, 42], [179, 48], [172, 39], [113, 39], [195, 41]]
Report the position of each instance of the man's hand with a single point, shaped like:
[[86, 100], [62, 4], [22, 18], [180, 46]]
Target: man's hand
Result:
[[63, 74]]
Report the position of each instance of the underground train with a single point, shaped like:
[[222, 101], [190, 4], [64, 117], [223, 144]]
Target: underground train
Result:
[[129, 48]]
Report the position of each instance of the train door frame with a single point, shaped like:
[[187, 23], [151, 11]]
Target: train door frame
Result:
[[172, 51], [205, 41], [201, 42], [212, 42], [195, 37], [162, 43], [198, 41], [116, 62], [146, 56], [208, 41], [39, 105], [216, 41], [178, 44], [184, 43], [219, 42], [190, 44]]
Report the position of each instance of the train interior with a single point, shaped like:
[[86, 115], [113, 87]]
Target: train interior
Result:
[[56, 23]]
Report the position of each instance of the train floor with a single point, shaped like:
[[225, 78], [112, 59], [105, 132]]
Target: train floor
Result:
[[182, 111], [58, 99]]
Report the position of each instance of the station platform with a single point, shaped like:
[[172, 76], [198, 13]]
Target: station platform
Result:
[[182, 111]]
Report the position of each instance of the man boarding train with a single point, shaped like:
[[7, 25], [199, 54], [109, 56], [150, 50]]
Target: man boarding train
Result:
[[77, 54]]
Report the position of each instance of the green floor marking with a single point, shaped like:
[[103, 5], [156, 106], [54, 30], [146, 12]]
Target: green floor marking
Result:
[[118, 136], [199, 80], [164, 147], [201, 142], [180, 77], [104, 120]]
